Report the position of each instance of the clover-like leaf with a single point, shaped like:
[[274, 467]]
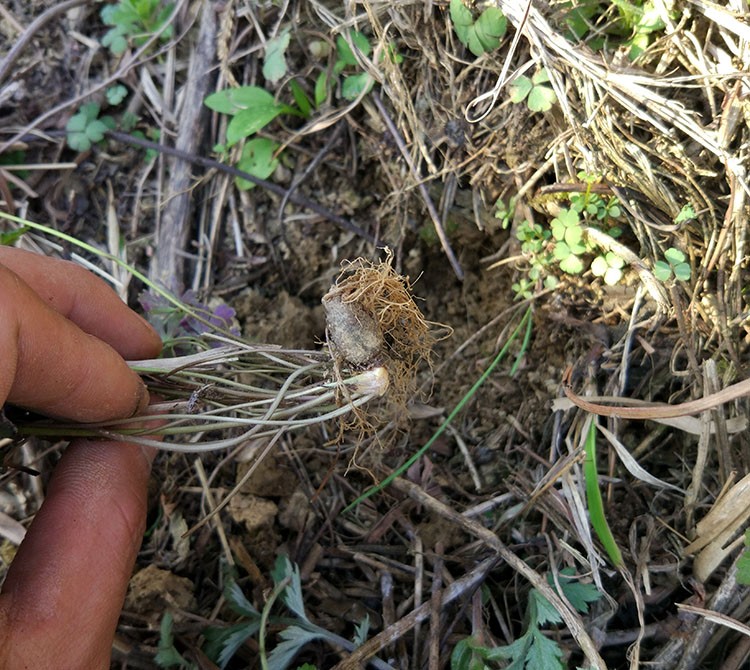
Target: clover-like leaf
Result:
[[462, 20], [572, 265], [662, 270], [116, 94], [674, 256], [520, 88], [682, 271]]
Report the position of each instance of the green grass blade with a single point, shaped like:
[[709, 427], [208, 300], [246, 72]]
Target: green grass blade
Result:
[[594, 500]]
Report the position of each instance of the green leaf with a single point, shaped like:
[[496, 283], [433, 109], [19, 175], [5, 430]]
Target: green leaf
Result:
[[354, 85], [462, 20], [674, 256], [573, 236], [662, 270], [96, 130], [541, 99], [489, 29], [599, 266], [541, 76], [293, 638], [300, 98], [543, 654], [743, 568], [520, 88], [321, 88], [116, 94], [257, 159], [572, 265], [250, 121], [237, 600], [76, 123], [578, 593], [274, 61], [682, 272], [346, 55], [561, 251], [612, 276], [222, 643], [167, 655], [361, 631], [541, 610], [234, 100], [687, 213]]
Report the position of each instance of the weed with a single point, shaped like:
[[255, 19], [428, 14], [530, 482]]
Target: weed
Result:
[[168, 656], [252, 108], [673, 265], [536, 91], [533, 650], [135, 20], [634, 27], [222, 643], [86, 127], [478, 36], [568, 239]]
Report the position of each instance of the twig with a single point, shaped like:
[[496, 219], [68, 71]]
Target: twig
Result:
[[467, 583], [658, 410], [173, 232], [295, 199], [420, 185]]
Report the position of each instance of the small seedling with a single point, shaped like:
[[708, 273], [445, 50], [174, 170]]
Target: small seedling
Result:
[[533, 650], [168, 656], [478, 36], [567, 230], [136, 20], [674, 264], [687, 213], [353, 85], [536, 91], [116, 94], [86, 127], [609, 267]]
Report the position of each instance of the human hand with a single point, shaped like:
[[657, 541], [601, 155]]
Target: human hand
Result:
[[63, 337]]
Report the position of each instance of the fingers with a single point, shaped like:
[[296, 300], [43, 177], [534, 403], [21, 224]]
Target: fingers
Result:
[[86, 300], [62, 597], [50, 365]]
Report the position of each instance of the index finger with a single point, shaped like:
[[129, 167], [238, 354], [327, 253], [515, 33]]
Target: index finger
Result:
[[51, 366], [86, 300]]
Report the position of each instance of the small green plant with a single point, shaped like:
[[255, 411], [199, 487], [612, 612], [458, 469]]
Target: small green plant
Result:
[[687, 213], [252, 108], [222, 643], [568, 233], [533, 650], [478, 36], [673, 265], [608, 267], [168, 656], [86, 127], [536, 91], [135, 20]]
